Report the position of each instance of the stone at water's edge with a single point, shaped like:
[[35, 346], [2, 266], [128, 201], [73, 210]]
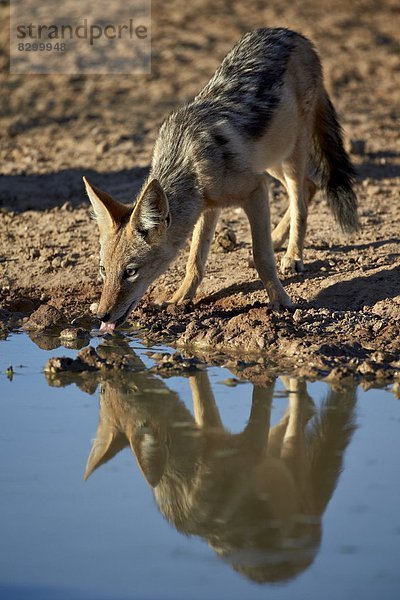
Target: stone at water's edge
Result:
[[45, 317], [73, 333]]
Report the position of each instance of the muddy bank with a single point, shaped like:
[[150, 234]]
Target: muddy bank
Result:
[[307, 341], [253, 341]]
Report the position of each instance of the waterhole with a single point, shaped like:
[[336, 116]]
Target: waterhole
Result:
[[126, 484]]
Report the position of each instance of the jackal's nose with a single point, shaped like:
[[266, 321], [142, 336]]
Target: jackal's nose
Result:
[[104, 317]]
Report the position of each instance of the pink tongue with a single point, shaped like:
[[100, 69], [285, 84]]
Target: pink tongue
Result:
[[104, 327]]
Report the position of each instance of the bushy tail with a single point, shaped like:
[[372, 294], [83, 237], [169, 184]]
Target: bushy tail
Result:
[[331, 166]]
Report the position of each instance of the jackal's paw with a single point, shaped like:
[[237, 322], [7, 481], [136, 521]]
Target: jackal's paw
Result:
[[279, 300], [281, 304], [179, 298], [289, 264]]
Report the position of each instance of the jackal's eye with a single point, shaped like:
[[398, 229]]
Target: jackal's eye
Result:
[[129, 272], [102, 270]]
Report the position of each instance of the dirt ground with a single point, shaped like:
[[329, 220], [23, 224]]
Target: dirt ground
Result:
[[346, 318]]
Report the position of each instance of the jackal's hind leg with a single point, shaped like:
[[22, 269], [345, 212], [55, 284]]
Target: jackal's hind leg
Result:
[[300, 399], [203, 234], [300, 190], [257, 211], [294, 451], [281, 231]]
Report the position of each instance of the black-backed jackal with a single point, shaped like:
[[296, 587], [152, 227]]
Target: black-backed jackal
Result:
[[265, 109]]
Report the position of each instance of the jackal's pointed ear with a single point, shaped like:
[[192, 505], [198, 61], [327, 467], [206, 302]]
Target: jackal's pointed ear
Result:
[[105, 446], [107, 211], [151, 454], [152, 208]]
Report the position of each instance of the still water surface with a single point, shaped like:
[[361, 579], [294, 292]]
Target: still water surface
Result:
[[194, 489]]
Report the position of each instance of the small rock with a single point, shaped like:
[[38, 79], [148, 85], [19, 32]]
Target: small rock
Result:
[[382, 357], [173, 364], [44, 317], [87, 360], [354, 362], [383, 374], [297, 315], [367, 368], [61, 364], [176, 328], [89, 357], [225, 239], [378, 326], [102, 148], [56, 262], [73, 333], [66, 263], [308, 372], [338, 373]]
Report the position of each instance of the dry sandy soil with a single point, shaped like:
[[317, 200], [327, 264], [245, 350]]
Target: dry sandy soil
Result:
[[57, 128]]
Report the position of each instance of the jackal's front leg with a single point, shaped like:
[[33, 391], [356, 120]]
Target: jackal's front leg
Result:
[[203, 235], [257, 211], [205, 408]]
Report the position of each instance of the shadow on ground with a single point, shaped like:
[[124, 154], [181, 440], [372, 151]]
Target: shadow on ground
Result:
[[355, 293], [379, 165], [350, 247], [44, 191]]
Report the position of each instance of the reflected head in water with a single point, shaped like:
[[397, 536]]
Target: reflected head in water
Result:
[[126, 405], [258, 496]]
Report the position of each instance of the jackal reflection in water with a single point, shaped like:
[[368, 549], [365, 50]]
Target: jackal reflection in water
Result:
[[256, 497]]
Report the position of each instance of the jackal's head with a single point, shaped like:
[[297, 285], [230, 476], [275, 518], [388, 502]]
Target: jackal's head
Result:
[[134, 248], [130, 417]]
